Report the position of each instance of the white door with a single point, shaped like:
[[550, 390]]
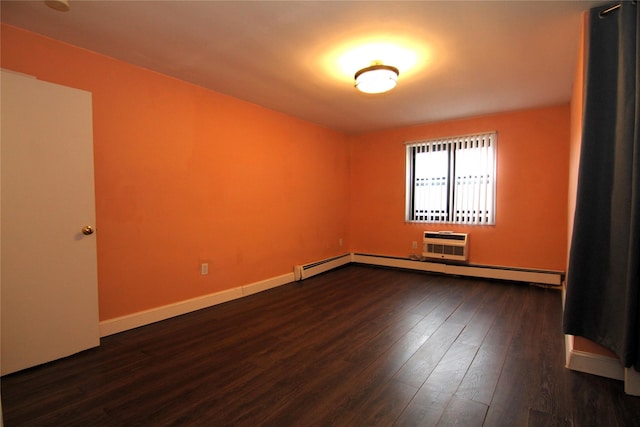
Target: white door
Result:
[[49, 301]]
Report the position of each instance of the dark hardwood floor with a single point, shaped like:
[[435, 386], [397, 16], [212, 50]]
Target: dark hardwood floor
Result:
[[358, 346]]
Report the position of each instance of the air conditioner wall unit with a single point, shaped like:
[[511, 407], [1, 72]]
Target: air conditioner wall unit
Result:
[[446, 245]]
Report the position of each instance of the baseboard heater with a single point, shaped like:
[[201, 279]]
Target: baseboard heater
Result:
[[547, 277], [301, 272]]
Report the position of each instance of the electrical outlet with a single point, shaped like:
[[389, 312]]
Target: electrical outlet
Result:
[[414, 244], [340, 241], [204, 268]]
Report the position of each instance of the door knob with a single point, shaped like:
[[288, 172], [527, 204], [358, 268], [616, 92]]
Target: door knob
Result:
[[87, 229]]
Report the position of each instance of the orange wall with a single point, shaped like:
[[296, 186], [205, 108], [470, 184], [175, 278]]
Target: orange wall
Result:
[[185, 175], [531, 218]]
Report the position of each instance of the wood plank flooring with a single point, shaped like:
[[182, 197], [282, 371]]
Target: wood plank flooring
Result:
[[358, 346]]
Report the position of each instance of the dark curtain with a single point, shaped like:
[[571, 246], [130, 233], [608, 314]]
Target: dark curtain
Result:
[[603, 280]]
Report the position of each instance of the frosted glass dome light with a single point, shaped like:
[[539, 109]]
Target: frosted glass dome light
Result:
[[376, 78]]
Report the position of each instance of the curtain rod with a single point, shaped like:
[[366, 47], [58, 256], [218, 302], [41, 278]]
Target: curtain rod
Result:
[[612, 8]]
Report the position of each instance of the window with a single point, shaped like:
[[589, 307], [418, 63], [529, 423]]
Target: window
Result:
[[452, 180]]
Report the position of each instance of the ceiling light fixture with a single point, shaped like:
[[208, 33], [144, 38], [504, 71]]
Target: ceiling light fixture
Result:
[[376, 78], [59, 5]]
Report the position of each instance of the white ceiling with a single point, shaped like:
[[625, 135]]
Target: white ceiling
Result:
[[472, 57]]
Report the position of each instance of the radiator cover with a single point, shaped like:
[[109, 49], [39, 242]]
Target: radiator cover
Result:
[[446, 245]]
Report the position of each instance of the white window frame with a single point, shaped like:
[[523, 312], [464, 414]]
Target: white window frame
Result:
[[452, 180]]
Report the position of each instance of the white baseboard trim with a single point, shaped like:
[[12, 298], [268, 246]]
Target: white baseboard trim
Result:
[[146, 317], [631, 382], [264, 285], [568, 347], [487, 272], [603, 366], [591, 363], [596, 364]]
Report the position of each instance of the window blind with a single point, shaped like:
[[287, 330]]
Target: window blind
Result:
[[452, 179]]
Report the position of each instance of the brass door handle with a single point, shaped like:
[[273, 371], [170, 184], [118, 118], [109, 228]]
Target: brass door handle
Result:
[[87, 229]]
